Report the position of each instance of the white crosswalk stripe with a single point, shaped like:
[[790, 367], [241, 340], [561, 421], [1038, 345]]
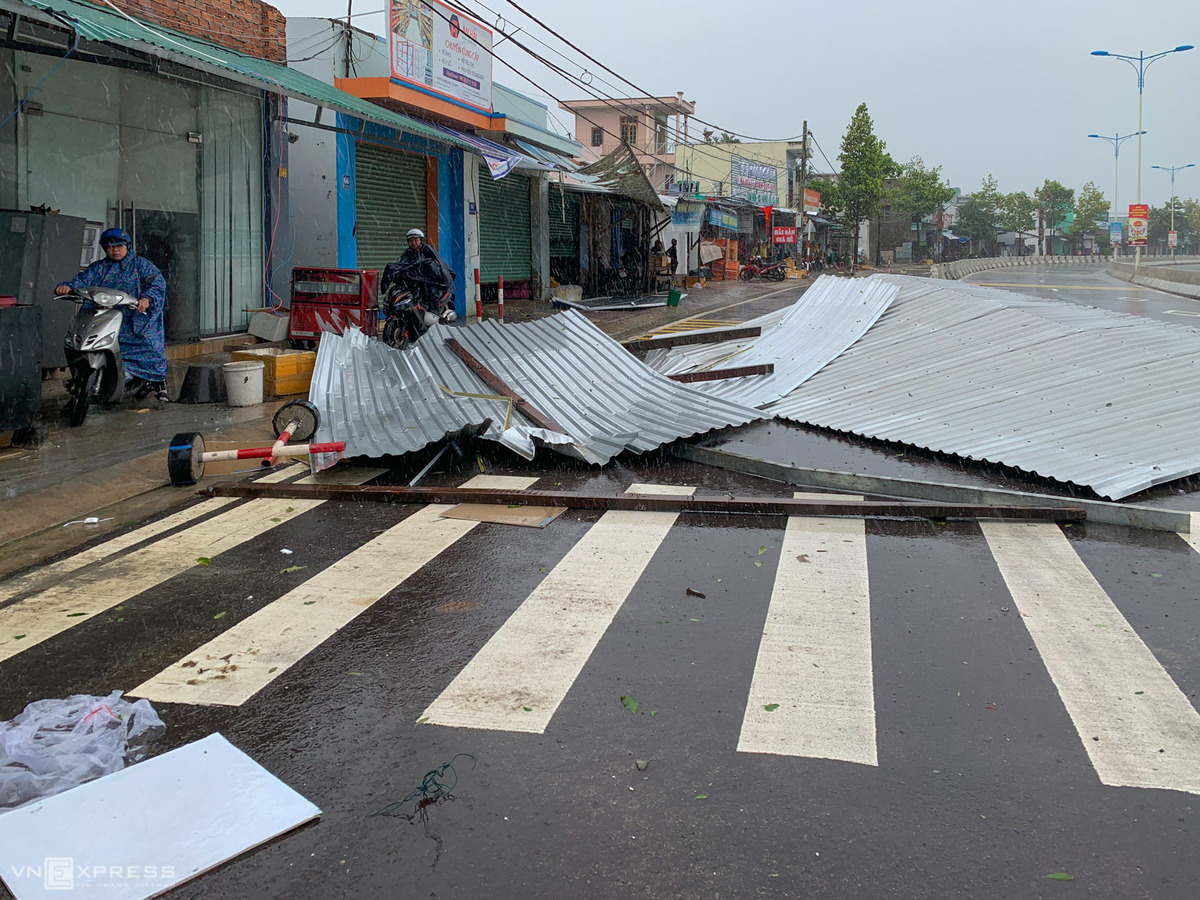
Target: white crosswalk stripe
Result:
[[43, 577], [40, 617], [1193, 536], [1137, 726], [236, 665], [813, 692], [519, 678]]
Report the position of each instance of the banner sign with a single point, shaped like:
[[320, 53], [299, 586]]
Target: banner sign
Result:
[[1114, 232], [687, 214], [785, 234], [723, 219], [439, 49], [1139, 224], [753, 182], [1173, 239], [812, 201]]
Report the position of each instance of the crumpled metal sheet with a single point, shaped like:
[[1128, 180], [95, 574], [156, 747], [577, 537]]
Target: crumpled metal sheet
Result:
[[383, 402], [1074, 393], [799, 341]]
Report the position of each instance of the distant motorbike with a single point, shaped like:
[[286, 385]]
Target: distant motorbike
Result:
[[758, 267], [410, 308], [93, 349]]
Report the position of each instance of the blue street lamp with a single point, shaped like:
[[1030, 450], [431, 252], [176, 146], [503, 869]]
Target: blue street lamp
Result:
[[1173, 170], [1141, 63], [1117, 140]]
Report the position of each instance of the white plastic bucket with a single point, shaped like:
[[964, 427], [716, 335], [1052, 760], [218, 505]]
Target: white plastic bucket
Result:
[[244, 382]]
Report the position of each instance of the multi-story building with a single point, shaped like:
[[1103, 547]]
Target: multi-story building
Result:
[[651, 126]]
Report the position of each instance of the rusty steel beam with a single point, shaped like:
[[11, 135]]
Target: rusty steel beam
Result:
[[688, 340], [774, 506], [719, 374], [527, 409]]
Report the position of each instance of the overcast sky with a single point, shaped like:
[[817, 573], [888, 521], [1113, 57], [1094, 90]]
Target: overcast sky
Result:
[[1012, 91]]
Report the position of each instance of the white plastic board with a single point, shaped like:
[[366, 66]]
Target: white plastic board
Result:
[[139, 832]]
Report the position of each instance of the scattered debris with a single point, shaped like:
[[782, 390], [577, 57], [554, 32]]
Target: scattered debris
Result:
[[630, 703], [53, 745], [642, 764], [692, 592], [527, 516], [435, 788]]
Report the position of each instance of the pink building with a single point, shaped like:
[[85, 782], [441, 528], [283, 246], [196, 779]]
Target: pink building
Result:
[[650, 125]]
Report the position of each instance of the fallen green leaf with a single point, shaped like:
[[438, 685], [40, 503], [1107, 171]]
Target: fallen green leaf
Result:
[[653, 712], [290, 509], [1155, 575], [203, 561], [219, 615], [527, 708], [272, 669], [73, 615], [758, 563], [762, 550], [1139, 692], [630, 703], [120, 609], [290, 569], [662, 622], [17, 637], [702, 796], [1060, 876], [771, 707], [277, 520], [120, 618], [693, 620], [309, 602], [358, 673]]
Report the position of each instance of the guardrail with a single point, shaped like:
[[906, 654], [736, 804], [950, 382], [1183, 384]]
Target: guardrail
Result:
[[1161, 275], [954, 270]]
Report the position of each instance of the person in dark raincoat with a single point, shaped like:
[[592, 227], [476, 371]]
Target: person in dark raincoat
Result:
[[143, 339], [421, 264]]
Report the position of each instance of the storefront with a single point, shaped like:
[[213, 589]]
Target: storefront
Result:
[[505, 244], [564, 234], [176, 161]]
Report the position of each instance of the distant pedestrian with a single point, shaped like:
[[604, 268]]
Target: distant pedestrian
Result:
[[673, 255]]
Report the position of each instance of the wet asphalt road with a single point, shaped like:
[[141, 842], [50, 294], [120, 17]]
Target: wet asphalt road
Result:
[[1091, 286], [983, 786]]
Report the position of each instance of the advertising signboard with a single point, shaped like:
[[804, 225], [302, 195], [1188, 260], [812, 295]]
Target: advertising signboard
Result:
[[753, 182], [723, 219], [812, 201], [785, 234], [1139, 224], [439, 49], [687, 214], [1114, 232], [1173, 239]]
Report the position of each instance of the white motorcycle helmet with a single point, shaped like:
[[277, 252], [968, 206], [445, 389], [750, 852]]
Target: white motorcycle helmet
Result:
[[415, 233]]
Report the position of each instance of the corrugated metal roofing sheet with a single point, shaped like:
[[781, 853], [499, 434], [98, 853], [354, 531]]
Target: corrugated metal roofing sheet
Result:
[[1068, 392], [97, 24], [382, 401], [828, 318]]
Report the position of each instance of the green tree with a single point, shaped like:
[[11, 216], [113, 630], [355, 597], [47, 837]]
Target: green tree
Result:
[[918, 191], [1090, 209], [727, 138], [979, 216], [1055, 201], [864, 165], [1018, 213]]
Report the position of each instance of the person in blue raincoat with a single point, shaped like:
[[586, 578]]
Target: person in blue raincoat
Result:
[[143, 340]]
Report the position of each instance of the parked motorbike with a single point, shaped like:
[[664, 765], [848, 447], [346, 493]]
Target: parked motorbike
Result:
[[411, 307], [93, 349], [758, 267]]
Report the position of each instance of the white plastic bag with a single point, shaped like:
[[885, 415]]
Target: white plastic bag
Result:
[[53, 745]]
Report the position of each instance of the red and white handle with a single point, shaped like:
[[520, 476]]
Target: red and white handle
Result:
[[278, 450]]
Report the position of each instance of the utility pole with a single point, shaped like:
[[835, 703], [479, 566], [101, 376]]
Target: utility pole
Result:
[[803, 180]]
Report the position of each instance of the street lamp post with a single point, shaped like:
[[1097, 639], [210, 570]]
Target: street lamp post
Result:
[[1117, 140], [1141, 63], [1173, 170]]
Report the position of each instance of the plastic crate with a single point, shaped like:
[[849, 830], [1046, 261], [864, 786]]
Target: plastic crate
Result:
[[286, 371]]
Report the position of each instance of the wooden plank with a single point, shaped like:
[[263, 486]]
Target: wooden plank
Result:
[[689, 340], [719, 374], [527, 409], [774, 506]]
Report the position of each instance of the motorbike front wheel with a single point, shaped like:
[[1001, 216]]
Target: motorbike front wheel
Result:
[[83, 386], [745, 275], [396, 335]]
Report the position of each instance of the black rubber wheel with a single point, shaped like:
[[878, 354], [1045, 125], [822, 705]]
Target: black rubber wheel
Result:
[[81, 396], [185, 464], [304, 413], [395, 335], [745, 274]]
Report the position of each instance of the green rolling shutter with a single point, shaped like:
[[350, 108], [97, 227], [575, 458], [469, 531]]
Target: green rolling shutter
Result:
[[564, 223], [504, 244], [389, 200]]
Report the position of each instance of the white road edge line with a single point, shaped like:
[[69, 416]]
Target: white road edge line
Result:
[[240, 662], [813, 694], [1137, 726], [1193, 537], [521, 675]]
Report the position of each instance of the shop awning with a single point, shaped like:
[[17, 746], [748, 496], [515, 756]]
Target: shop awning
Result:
[[548, 157], [819, 220], [97, 24], [954, 237], [621, 173]]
